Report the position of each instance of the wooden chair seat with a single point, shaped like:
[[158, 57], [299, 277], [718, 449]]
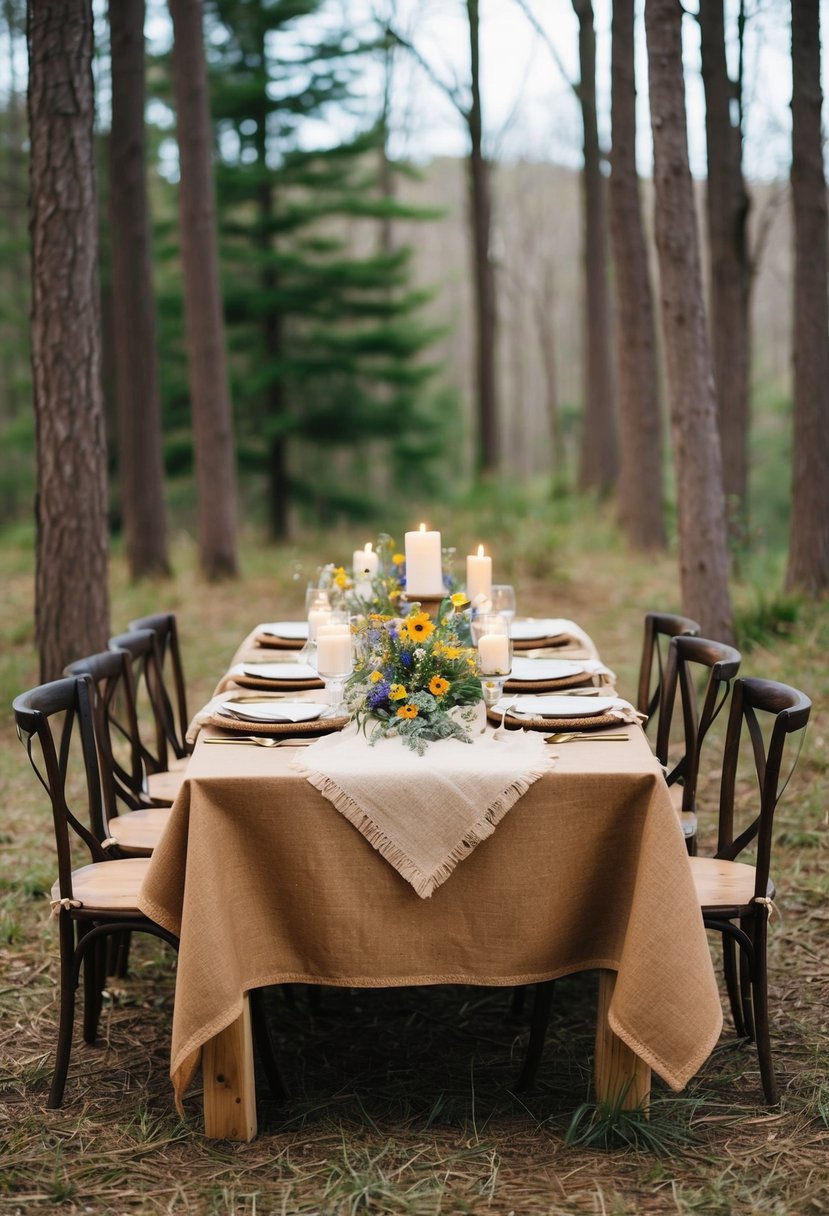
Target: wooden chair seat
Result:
[[725, 885], [178, 764], [108, 886], [138, 832], [163, 787]]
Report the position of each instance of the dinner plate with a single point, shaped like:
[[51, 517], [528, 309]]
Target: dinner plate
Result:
[[544, 669], [279, 671], [273, 711], [528, 628], [555, 707], [291, 630]]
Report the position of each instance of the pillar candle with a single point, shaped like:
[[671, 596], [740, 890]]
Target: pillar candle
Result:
[[333, 650], [493, 654], [424, 569], [365, 564], [317, 617], [478, 575]]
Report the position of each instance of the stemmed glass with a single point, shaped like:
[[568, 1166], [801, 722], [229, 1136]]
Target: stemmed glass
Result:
[[491, 635], [502, 599], [335, 662]]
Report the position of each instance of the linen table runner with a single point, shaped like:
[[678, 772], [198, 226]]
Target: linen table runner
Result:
[[424, 814]]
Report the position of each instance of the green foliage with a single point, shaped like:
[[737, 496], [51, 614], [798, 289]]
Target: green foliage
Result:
[[773, 614]]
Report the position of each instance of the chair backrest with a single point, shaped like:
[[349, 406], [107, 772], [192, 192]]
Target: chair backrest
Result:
[[660, 627], [769, 713], [687, 658], [123, 770], [55, 722], [172, 691], [155, 735]]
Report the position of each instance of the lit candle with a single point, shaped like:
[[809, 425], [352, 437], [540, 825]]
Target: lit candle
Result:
[[365, 564], [478, 575], [424, 569], [333, 649], [316, 617], [493, 654]]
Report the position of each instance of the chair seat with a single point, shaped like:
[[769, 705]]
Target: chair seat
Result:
[[178, 764], [108, 886], [139, 831], [164, 787], [724, 884]]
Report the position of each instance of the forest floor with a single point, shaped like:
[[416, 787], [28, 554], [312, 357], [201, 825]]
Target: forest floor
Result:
[[404, 1101]]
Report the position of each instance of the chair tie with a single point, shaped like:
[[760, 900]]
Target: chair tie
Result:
[[770, 906], [109, 843], [64, 905]]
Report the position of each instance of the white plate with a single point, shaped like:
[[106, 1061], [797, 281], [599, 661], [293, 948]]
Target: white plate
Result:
[[279, 671], [544, 669], [555, 707], [293, 631], [273, 711], [527, 629]]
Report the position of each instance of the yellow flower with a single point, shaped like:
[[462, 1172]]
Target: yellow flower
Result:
[[398, 558], [375, 676], [438, 686], [418, 626], [397, 692], [407, 711], [459, 599], [340, 577], [452, 652]]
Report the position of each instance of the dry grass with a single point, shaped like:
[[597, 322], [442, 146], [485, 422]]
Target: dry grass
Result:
[[404, 1101]]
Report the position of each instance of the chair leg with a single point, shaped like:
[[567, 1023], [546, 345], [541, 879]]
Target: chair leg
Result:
[[67, 1011], [760, 996], [732, 983], [264, 1047], [747, 967], [542, 1004], [519, 1000], [94, 978]]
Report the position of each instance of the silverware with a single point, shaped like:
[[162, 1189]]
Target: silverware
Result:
[[258, 740], [584, 737]]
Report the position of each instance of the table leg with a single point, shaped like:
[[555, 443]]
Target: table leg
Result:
[[229, 1082], [615, 1065]]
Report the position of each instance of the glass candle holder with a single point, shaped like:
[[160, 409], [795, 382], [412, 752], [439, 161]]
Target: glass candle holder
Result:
[[335, 662], [491, 635], [502, 599]]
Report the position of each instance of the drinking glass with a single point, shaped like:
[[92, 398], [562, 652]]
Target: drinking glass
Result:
[[503, 599], [491, 635]]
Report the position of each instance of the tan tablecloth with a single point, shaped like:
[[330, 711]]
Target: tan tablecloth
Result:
[[266, 883]]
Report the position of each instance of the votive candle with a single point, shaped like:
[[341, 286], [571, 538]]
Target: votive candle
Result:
[[334, 649], [493, 653], [478, 575], [365, 564]]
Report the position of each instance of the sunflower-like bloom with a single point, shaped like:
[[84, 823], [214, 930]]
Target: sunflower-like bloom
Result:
[[418, 627], [407, 711], [375, 676], [398, 558], [397, 692], [438, 686], [459, 599], [341, 578]]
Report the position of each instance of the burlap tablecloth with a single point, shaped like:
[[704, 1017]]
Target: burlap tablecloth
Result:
[[266, 883]]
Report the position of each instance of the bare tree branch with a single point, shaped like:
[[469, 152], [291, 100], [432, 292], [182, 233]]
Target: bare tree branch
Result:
[[452, 93], [550, 45]]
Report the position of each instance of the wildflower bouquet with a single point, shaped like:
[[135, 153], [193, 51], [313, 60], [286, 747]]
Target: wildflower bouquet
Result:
[[414, 678]]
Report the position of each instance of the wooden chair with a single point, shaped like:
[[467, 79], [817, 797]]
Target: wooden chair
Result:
[[171, 692], [687, 658], [97, 902], [735, 895], [660, 627], [133, 824]]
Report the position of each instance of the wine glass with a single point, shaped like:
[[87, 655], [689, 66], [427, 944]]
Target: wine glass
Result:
[[502, 599], [335, 662], [491, 635]]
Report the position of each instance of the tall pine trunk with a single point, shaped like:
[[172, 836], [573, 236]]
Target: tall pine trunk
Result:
[[138, 403], [210, 399], [727, 206], [808, 567], [703, 541], [71, 587], [599, 462], [640, 433]]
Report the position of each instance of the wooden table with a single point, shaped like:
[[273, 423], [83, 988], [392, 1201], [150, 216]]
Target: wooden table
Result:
[[266, 883]]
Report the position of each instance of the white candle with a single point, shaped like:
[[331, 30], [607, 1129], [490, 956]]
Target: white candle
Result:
[[478, 575], [333, 650], [424, 569], [317, 617], [493, 654], [365, 564]]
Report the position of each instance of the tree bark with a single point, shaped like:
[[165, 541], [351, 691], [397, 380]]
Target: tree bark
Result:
[[703, 542], [480, 209], [729, 278], [599, 463], [640, 497], [138, 403], [71, 577], [212, 422], [808, 567]]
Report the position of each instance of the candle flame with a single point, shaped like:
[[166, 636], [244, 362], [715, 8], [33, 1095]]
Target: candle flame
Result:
[[480, 550], [368, 547], [422, 527]]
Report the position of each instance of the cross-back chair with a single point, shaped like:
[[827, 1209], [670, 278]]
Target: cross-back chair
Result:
[[95, 903], [660, 627], [689, 661], [735, 890], [171, 691]]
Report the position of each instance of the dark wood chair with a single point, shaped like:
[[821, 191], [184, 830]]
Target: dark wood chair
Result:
[[734, 894], [95, 903], [691, 661], [171, 692], [660, 627]]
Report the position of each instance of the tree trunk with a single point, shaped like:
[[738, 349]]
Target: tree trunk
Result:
[[808, 567], [703, 542], [71, 578], [598, 466], [641, 511], [728, 205], [212, 422], [138, 404], [480, 209]]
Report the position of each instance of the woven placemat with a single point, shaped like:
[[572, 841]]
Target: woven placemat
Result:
[[589, 722], [271, 641], [321, 726], [579, 680], [560, 639], [263, 684]]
